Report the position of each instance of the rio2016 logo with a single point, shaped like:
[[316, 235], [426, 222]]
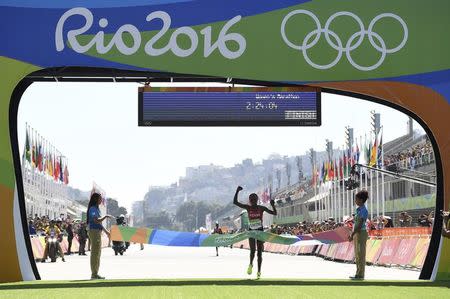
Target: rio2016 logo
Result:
[[355, 40], [224, 36], [149, 48]]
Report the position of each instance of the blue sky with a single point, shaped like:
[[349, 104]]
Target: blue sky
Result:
[[95, 126]]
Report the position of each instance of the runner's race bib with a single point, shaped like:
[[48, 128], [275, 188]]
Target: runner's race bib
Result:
[[255, 224]]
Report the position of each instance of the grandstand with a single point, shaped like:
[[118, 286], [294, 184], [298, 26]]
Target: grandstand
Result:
[[408, 154]]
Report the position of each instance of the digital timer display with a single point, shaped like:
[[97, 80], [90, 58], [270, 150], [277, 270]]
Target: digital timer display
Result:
[[223, 107]]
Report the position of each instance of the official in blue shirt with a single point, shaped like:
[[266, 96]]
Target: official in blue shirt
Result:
[[94, 220], [359, 235]]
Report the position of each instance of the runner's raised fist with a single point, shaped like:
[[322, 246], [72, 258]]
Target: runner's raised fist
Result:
[[239, 188]]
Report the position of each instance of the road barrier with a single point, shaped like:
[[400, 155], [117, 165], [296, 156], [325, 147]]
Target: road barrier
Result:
[[38, 245], [403, 247]]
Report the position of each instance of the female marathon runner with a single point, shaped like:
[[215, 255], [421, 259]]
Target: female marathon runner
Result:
[[255, 216]]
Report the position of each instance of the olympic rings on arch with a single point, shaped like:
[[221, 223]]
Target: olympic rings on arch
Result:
[[355, 40]]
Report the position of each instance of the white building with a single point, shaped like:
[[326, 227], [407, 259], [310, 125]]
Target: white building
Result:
[[44, 196]]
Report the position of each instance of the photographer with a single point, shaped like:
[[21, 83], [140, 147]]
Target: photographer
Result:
[[405, 220]]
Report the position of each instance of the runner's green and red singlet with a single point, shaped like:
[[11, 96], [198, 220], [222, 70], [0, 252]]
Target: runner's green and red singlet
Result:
[[255, 217]]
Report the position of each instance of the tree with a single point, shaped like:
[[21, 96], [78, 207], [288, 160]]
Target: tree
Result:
[[192, 214], [160, 220], [112, 208]]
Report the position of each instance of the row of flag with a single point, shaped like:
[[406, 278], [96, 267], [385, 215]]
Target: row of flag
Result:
[[367, 153], [44, 158]]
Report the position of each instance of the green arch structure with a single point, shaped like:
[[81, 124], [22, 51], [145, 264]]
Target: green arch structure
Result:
[[392, 52]]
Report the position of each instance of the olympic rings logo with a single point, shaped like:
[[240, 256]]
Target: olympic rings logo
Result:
[[338, 44]]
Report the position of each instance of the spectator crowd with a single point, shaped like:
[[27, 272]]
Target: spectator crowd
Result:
[[66, 227], [410, 158], [305, 227]]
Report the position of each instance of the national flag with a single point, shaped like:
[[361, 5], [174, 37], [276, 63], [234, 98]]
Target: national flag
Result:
[[47, 158], [36, 154], [57, 169], [357, 153], [331, 171], [33, 154], [336, 170], [322, 173], [368, 151], [40, 158], [27, 148], [341, 173], [380, 146], [61, 179], [50, 165], [362, 156], [373, 153]]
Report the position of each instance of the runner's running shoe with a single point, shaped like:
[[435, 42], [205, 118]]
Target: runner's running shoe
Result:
[[249, 269]]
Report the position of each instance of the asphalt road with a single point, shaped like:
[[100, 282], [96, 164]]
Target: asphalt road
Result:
[[199, 262]]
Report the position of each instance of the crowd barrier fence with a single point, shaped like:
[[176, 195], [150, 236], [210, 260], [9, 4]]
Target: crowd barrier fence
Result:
[[38, 245], [388, 249]]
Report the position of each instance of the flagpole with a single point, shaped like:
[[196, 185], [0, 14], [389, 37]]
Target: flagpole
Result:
[[366, 174], [327, 201], [315, 196], [359, 156], [322, 204], [378, 193], [383, 198], [320, 201], [371, 194], [334, 199], [339, 194], [330, 200], [32, 150]]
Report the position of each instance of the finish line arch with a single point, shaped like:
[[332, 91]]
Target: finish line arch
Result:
[[392, 59]]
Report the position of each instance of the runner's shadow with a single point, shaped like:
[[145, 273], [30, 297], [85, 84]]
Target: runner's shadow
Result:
[[206, 282]]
